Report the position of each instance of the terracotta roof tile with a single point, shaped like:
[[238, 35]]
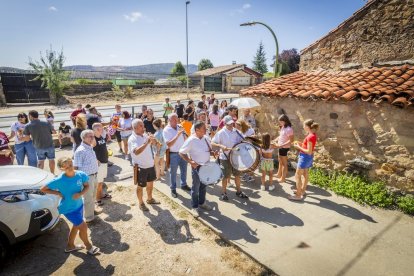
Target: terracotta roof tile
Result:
[[380, 84]]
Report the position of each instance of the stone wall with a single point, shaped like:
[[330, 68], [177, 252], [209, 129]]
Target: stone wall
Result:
[[382, 32], [236, 88], [381, 134]]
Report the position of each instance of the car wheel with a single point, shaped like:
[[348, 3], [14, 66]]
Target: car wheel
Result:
[[4, 245]]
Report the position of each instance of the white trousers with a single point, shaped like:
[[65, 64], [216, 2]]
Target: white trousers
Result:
[[89, 199]]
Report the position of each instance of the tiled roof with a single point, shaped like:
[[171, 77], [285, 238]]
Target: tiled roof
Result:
[[218, 70], [394, 85], [245, 69]]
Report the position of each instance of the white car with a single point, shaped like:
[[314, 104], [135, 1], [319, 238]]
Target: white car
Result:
[[25, 212]]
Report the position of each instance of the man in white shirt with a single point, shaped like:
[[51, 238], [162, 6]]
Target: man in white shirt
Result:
[[174, 136], [225, 139], [196, 151], [142, 155]]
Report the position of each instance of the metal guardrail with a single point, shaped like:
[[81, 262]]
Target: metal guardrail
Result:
[[106, 112]]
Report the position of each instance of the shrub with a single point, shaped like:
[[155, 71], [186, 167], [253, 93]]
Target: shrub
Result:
[[128, 91], [354, 187], [406, 204]]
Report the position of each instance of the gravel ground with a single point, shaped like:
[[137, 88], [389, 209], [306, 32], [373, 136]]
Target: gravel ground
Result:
[[166, 240]]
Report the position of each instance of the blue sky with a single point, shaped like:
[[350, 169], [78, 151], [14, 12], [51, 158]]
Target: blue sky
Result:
[[135, 32]]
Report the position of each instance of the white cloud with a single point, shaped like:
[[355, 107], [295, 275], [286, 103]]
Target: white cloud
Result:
[[52, 8], [246, 6], [133, 16], [241, 10]]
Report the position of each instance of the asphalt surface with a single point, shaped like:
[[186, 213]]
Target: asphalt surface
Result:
[[63, 115]]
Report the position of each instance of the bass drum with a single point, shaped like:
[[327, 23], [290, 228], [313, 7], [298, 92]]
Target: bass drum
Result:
[[244, 157], [210, 173]]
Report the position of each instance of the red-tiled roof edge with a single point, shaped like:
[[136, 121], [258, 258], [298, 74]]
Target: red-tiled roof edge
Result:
[[353, 16], [394, 85]]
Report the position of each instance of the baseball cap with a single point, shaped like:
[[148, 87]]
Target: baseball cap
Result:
[[228, 120]]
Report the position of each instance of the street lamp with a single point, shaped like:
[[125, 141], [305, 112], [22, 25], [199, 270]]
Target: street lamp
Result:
[[186, 38], [276, 68]]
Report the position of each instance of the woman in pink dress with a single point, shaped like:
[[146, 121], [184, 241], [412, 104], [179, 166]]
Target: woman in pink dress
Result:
[[284, 142]]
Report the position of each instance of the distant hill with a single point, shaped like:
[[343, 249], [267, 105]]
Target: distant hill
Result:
[[148, 71]]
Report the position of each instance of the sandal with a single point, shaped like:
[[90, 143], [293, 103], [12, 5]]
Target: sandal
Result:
[[99, 203], [242, 195], [76, 248], [304, 194], [143, 207], [153, 201], [107, 196], [94, 250], [294, 198]]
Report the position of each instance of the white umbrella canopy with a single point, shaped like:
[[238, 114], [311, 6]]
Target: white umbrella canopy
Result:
[[245, 103]]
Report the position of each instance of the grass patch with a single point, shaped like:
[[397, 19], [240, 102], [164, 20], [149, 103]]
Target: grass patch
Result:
[[361, 190]]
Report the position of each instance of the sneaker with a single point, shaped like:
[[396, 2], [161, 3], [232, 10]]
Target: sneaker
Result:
[[206, 207], [263, 187], [242, 195], [174, 194], [186, 188], [60, 147], [99, 203], [195, 212], [224, 197], [272, 187]]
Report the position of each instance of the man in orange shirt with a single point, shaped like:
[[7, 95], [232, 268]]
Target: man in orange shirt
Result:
[[186, 124]]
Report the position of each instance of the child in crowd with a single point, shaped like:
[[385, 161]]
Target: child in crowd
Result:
[[305, 158], [186, 124], [6, 153], [70, 186], [214, 117], [160, 149], [266, 165], [125, 128], [284, 142], [50, 118], [64, 131]]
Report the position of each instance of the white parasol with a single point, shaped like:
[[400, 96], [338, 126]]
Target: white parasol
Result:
[[245, 103]]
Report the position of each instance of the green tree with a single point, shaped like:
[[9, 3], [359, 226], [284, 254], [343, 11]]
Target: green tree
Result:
[[178, 69], [290, 59], [205, 63], [50, 71], [259, 62]]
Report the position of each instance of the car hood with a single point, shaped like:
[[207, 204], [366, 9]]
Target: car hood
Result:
[[15, 177]]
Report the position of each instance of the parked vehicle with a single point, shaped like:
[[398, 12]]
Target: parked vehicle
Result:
[[25, 212]]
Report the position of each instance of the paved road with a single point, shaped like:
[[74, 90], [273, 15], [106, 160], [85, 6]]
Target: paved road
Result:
[[63, 115]]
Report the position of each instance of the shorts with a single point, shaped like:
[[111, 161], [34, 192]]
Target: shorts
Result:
[[63, 135], [227, 169], [48, 153], [125, 137], [267, 165], [146, 175], [283, 151], [118, 136], [75, 217], [214, 128], [305, 161], [102, 172]]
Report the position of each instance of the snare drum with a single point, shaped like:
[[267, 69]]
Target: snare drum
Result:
[[244, 157], [210, 173]]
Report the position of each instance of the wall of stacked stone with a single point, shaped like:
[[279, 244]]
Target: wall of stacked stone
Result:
[[380, 134], [383, 32]]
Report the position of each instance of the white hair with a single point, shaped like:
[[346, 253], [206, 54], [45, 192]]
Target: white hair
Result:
[[172, 115], [86, 132], [136, 122]]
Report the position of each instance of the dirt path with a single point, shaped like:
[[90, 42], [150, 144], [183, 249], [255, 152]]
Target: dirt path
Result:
[[166, 240]]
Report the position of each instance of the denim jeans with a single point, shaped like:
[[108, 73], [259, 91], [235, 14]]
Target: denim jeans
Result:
[[23, 149], [198, 190], [175, 162]]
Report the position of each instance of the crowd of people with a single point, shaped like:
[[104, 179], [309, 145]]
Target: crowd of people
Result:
[[185, 135]]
